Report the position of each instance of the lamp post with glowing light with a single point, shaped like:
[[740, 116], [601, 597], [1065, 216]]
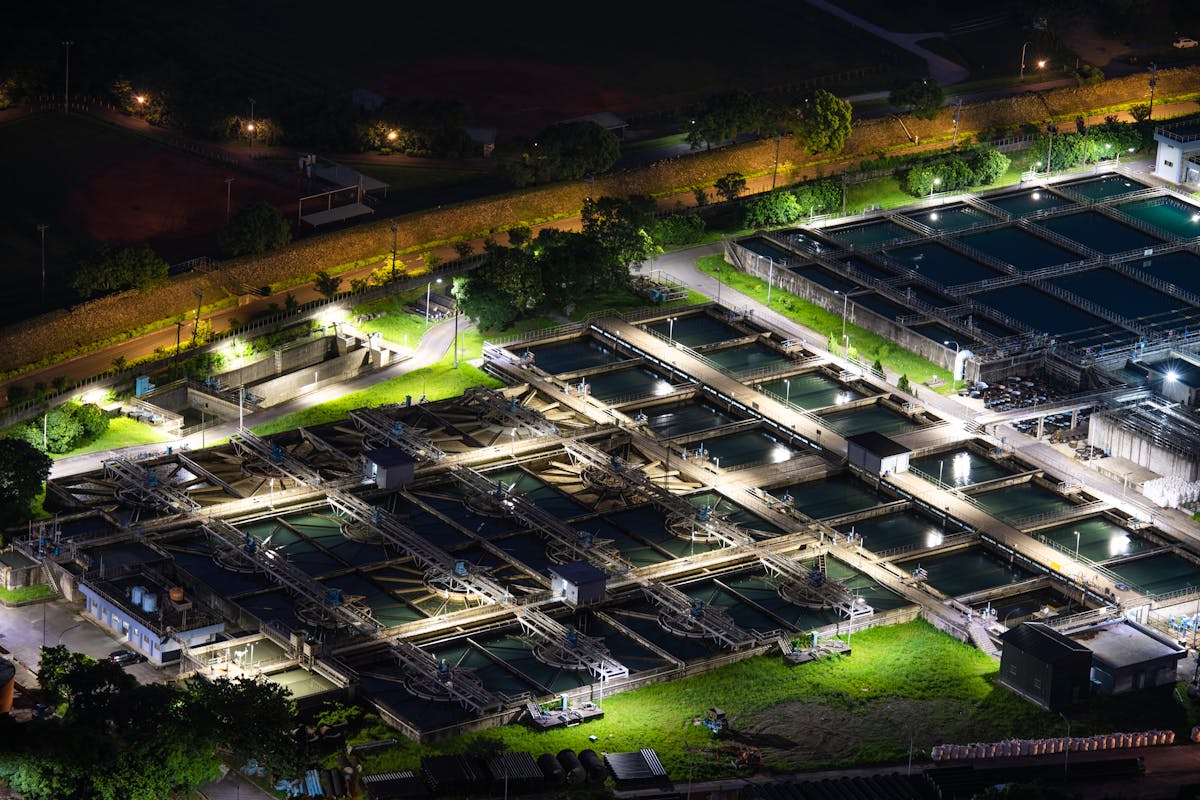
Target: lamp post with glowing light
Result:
[[845, 309], [787, 391], [936, 182], [428, 286], [1076, 545], [1023, 60], [671, 330], [954, 368]]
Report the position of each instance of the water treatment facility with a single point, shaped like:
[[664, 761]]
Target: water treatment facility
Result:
[[654, 493]]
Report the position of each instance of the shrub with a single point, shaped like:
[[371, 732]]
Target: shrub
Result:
[[778, 208], [678, 229]]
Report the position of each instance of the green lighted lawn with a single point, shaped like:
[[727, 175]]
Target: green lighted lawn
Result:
[[868, 346], [122, 432], [38, 591], [903, 681]]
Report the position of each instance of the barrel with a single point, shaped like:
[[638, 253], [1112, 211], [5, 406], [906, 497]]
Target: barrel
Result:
[[8, 676], [176, 594], [551, 769], [574, 771], [149, 602], [593, 765], [135, 594]]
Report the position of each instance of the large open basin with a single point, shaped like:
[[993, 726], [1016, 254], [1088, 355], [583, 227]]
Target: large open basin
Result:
[[695, 331], [747, 357], [870, 234], [1159, 574], [961, 467], [1129, 298], [1022, 501], [1181, 268], [628, 383], [811, 390], [761, 247], [1099, 232], [689, 416], [573, 355], [1103, 188], [1099, 539], [1047, 313], [1169, 214], [869, 418], [746, 447], [1020, 248], [823, 277], [1029, 201], [965, 571], [895, 533], [951, 218], [938, 262], [832, 496]]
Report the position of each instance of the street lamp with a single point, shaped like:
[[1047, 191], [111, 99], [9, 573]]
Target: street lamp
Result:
[[934, 185], [770, 279], [954, 367], [250, 127], [228, 195], [455, 312], [1023, 60], [1050, 129], [787, 391], [845, 309], [1076, 545], [428, 286], [671, 330], [42, 230]]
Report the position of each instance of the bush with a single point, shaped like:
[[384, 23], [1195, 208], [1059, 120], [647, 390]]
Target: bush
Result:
[[989, 166], [778, 208], [678, 229]]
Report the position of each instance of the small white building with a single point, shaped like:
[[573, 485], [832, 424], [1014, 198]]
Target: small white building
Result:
[[1178, 158], [578, 583], [154, 618], [876, 453]]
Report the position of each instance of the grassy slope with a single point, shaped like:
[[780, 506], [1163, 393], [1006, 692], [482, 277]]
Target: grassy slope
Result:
[[901, 681]]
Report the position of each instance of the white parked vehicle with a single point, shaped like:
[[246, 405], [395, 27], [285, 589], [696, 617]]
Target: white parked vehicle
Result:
[[1184, 41]]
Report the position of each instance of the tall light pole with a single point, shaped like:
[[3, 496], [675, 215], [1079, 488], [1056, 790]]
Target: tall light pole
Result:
[[455, 312], [1076, 545], [936, 182], [42, 230], [787, 391], [428, 286], [671, 330], [845, 309], [67, 81], [775, 172], [1023, 60], [770, 279], [228, 196], [395, 229], [954, 366], [1153, 83], [1050, 129]]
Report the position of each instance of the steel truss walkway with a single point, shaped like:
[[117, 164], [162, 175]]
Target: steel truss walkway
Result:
[[814, 583], [436, 680], [379, 427], [276, 566], [133, 478]]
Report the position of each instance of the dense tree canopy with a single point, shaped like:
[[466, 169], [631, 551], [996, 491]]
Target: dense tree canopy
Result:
[[254, 229], [111, 269], [121, 740], [566, 151], [23, 472], [822, 123]]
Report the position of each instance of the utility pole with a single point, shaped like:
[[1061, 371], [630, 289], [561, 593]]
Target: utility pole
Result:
[[775, 173], [196, 327], [67, 81], [395, 229], [1153, 83], [957, 115], [228, 195], [42, 230]]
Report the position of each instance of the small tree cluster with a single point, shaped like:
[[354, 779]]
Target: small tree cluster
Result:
[[819, 122], [111, 269], [678, 229], [566, 151], [253, 230], [980, 168], [781, 208], [65, 428]]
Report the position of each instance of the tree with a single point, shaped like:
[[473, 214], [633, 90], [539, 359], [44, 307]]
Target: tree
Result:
[[923, 98], [57, 664], [566, 151], [250, 719], [62, 430], [776, 208], [327, 284], [619, 226], [92, 419], [730, 185], [679, 229], [822, 123], [109, 269], [1140, 112], [254, 229]]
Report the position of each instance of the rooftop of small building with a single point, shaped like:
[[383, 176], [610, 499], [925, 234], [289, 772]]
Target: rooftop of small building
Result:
[[1123, 643]]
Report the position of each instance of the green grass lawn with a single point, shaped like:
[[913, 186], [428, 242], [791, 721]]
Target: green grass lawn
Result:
[[122, 432], [396, 325], [39, 591], [903, 681], [866, 345]]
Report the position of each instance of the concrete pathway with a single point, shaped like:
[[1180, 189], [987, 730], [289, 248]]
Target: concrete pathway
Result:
[[941, 69]]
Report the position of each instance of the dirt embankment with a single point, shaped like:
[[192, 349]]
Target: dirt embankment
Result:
[[66, 331]]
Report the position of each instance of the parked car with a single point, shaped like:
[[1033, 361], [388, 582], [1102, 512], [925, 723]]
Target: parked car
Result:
[[1184, 41], [126, 657]]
